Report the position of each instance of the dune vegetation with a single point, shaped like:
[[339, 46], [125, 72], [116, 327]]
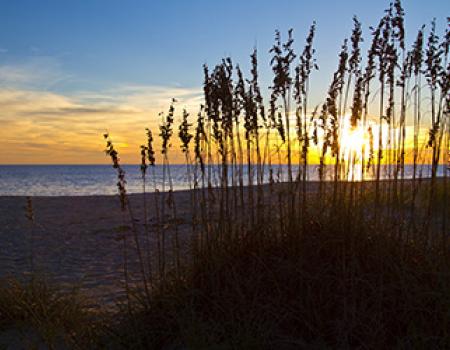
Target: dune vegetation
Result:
[[358, 259]]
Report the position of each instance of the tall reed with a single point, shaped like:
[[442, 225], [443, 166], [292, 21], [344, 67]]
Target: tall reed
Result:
[[360, 131]]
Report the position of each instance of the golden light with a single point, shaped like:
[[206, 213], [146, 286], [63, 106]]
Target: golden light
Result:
[[354, 147]]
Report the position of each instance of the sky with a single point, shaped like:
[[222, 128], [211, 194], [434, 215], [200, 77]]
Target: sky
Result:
[[71, 70]]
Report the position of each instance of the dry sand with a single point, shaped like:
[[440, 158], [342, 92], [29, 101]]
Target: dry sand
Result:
[[76, 241]]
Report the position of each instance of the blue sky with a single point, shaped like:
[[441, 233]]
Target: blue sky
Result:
[[89, 63], [97, 43]]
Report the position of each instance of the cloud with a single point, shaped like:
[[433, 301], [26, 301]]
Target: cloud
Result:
[[152, 97], [37, 72], [38, 125], [11, 75], [48, 127]]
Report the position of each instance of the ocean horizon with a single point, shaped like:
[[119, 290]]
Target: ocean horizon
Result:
[[101, 179]]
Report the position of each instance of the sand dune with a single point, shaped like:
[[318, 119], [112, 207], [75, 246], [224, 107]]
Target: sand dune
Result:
[[77, 241]]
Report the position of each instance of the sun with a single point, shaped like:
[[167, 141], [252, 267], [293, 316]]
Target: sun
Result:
[[354, 147]]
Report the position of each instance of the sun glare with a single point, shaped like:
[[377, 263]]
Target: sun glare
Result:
[[354, 147]]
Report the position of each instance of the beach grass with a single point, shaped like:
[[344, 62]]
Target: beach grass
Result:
[[274, 261], [340, 281], [36, 313]]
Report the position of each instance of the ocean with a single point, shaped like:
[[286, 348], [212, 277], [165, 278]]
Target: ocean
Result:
[[82, 180]]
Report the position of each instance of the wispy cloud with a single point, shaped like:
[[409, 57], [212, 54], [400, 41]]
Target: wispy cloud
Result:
[[35, 72], [48, 127], [146, 97]]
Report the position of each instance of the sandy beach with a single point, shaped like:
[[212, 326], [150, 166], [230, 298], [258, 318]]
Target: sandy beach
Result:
[[78, 240], [75, 241]]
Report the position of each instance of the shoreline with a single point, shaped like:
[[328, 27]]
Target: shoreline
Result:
[[215, 188]]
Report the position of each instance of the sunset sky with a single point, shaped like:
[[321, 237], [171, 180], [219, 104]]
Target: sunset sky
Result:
[[70, 70]]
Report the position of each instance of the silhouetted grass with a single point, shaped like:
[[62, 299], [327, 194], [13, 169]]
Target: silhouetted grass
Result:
[[348, 265], [35, 313], [343, 283], [272, 265]]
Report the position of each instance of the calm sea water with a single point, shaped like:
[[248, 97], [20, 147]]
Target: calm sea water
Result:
[[79, 180]]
